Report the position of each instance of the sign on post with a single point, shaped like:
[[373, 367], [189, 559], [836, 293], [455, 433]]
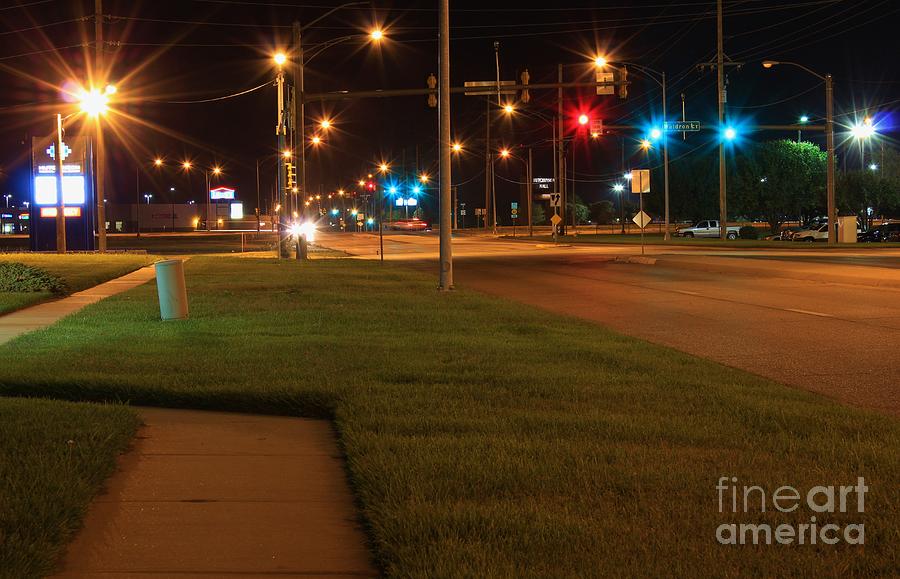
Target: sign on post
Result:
[[642, 219], [488, 87], [683, 126], [555, 199], [605, 77], [640, 181]]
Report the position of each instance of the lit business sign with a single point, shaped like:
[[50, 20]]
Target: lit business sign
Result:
[[543, 182], [74, 174], [45, 190], [237, 210], [221, 193], [67, 211], [409, 202]]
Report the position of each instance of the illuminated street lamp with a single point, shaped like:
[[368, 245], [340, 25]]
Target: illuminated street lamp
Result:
[[377, 35], [599, 62], [280, 58], [456, 147], [620, 188], [509, 109], [316, 140], [158, 162], [325, 124]]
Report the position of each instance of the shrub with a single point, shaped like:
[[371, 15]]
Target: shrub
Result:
[[18, 277], [748, 232]]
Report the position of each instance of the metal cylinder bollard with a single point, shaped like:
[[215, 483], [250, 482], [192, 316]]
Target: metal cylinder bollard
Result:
[[173, 302]]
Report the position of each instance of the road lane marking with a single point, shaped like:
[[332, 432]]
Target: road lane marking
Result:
[[686, 292], [820, 314]]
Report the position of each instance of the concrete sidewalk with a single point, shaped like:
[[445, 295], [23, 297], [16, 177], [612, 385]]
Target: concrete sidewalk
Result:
[[35, 317], [212, 494]]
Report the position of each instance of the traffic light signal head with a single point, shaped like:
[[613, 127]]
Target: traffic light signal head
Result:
[[623, 78], [432, 84], [525, 77]]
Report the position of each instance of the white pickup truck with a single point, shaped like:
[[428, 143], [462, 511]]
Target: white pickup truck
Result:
[[707, 229]]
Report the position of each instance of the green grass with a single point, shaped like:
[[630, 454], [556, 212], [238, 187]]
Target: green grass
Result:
[[78, 271], [483, 438], [53, 458]]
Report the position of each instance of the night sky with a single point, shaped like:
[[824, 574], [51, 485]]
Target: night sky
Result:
[[184, 50]]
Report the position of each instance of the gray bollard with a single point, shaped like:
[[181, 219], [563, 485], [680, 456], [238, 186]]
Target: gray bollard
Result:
[[173, 303]]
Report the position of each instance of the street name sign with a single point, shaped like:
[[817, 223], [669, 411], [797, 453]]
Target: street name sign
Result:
[[683, 126], [489, 87]]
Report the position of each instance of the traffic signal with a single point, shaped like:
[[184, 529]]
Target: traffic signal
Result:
[[432, 83], [525, 77], [291, 175], [623, 78], [370, 186]]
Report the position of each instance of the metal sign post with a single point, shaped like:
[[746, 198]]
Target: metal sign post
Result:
[[640, 184]]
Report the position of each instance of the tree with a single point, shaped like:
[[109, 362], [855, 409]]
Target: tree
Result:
[[602, 212], [777, 180], [582, 213], [537, 214]]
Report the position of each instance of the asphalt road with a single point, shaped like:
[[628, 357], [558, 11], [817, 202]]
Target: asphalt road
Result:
[[823, 321]]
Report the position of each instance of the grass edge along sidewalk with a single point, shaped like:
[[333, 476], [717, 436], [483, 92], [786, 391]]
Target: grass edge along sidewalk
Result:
[[54, 457], [482, 437], [76, 271]]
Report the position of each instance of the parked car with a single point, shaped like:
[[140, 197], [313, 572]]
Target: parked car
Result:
[[884, 232], [812, 233], [708, 229], [414, 224]]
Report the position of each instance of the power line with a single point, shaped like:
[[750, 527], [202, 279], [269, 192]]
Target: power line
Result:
[[221, 98]]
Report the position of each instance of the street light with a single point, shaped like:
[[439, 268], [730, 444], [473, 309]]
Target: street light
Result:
[[829, 142], [803, 120], [148, 196], [730, 134], [599, 62], [376, 35], [620, 188], [280, 58], [456, 147], [316, 140], [94, 103]]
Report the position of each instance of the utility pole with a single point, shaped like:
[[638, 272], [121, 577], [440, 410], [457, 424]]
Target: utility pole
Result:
[[560, 151], [99, 74], [530, 178], [487, 162], [257, 195], [446, 254], [829, 145], [299, 111], [665, 137], [60, 202], [280, 177], [720, 85]]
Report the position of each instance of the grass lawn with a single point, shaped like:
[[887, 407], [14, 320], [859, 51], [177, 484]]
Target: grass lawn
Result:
[[46, 481], [78, 271], [483, 438]]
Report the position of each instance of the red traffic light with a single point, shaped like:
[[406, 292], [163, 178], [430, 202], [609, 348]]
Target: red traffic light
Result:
[[370, 186], [583, 119]]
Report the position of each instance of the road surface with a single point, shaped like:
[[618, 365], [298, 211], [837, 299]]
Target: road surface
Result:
[[823, 321]]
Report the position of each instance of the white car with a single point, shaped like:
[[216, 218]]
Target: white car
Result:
[[816, 233]]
